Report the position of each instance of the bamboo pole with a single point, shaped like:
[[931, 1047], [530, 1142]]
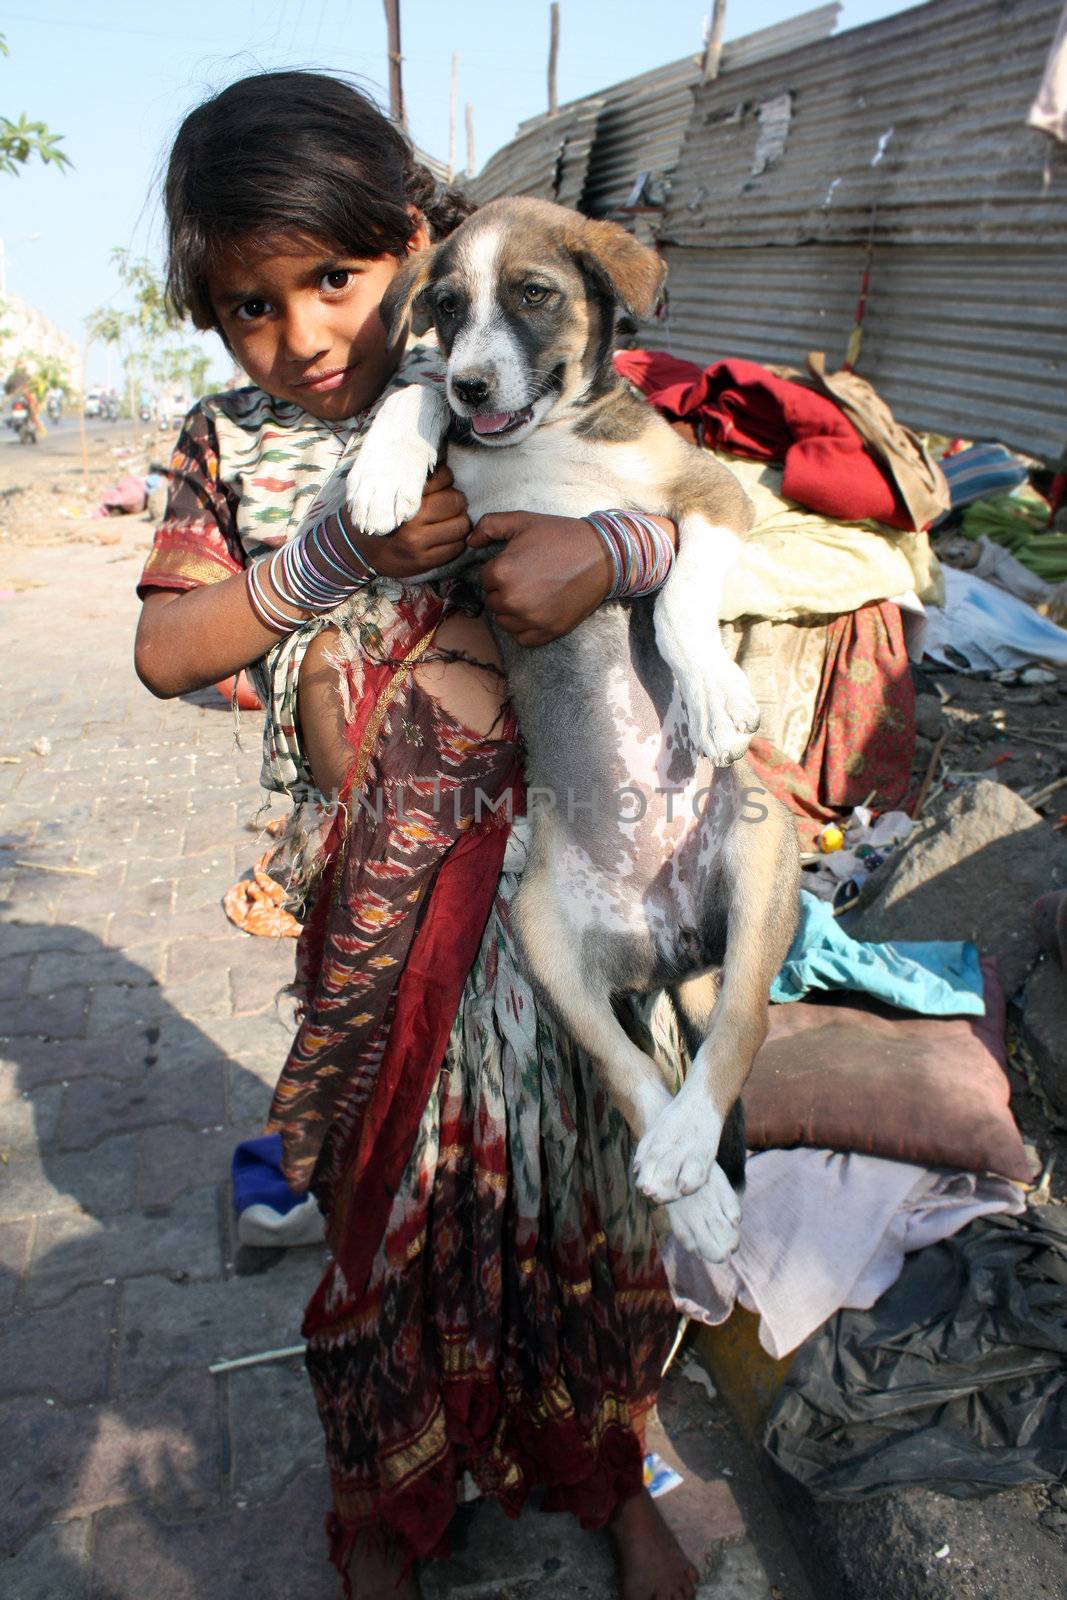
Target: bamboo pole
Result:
[[396, 87], [713, 42], [452, 118], [81, 414], [553, 57]]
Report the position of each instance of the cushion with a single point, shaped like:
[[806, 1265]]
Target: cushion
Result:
[[845, 1074]]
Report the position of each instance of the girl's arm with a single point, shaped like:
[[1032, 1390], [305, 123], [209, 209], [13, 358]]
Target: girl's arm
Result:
[[192, 636], [553, 573]]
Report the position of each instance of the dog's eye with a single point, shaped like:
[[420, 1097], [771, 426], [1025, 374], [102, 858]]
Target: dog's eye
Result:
[[447, 305], [534, 294]]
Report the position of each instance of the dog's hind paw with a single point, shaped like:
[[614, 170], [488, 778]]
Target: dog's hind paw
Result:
[[678, 1151], [708, 1222], [723, 714]]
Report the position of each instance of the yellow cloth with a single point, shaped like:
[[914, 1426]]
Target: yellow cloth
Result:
[[796, 564]]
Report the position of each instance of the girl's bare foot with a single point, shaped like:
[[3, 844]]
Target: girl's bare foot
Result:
[[375, 1570], [650, 1561]]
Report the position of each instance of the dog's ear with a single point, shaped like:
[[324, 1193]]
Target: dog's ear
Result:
[[632, 273], [399, 299]]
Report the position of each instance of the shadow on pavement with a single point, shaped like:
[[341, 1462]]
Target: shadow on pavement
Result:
[[130, 1470]]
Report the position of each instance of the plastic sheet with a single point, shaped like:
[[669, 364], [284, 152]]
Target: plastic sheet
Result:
[[981, 628], [956, 1379]]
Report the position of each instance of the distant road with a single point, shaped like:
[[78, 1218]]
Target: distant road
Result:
[[63, 438]]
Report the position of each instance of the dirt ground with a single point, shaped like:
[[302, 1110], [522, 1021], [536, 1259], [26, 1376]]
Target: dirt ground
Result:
[[47, 494]]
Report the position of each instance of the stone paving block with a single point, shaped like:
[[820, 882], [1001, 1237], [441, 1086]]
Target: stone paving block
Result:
[[149, 890], [23, 902], [274, 1428], [28, 1123], [256, 987], [65, 1352], [97, 1107], [52, 1565], [214, 827], [259, 1045], [174, 1159], [116, 1006], [202, 888], [32, 1062], [168, 1326], [191, 958], [275, 1552], [59, 1015], [251, 1094], [178, 1240], [61, 969], [14, 1257], [15, 976], [135, 927], [71, 1462], [86, 897], [100, 1182], [33, 938]]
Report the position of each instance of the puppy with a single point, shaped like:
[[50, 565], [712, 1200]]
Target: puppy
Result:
[[660, 860]]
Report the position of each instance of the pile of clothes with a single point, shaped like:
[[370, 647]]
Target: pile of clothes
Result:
[[838, 560]]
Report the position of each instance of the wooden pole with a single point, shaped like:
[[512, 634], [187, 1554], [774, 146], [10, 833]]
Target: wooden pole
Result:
[[452, 119], [470, 140], [81, 417], [713, 42], [553, 57], [396, 89]]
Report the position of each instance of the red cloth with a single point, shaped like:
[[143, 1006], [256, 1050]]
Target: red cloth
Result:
[[427, 999], [862, 740], [745, 409]]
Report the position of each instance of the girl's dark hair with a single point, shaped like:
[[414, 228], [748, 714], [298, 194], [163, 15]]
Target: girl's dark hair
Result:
[[293, 152]]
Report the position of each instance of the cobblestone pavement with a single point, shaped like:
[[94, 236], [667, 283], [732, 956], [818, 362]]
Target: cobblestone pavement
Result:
[[139, 1040]]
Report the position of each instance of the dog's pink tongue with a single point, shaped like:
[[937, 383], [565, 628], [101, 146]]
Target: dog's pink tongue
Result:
[[490, 421]]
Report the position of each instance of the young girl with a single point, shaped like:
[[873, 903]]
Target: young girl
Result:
[[494, 1309]]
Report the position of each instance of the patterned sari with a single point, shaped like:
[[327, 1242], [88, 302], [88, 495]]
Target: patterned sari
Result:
[[495, 1309]]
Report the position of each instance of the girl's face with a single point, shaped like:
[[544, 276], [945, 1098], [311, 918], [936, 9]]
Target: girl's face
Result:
[[302, 320]]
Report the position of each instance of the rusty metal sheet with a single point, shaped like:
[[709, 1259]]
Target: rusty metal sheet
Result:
[[913, 128]]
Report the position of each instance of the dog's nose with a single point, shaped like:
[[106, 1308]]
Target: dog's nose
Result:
[[471, 390]]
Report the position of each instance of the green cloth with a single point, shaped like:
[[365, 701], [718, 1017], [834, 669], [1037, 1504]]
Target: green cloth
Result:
[[1020, 523]]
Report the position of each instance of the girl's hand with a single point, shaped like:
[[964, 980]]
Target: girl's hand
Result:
[[437, 533], [554, 572]]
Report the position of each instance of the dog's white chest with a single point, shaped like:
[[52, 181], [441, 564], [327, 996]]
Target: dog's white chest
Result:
[[556, 472]]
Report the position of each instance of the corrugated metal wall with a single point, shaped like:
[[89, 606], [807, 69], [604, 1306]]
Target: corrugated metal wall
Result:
[[966, 322], [915, 125], [968, 341]]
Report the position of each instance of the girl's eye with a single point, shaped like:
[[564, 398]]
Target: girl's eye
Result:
[[252, 310], [535, 294], [339, 278]]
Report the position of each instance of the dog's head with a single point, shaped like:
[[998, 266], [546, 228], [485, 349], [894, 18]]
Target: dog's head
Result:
[[524, 296]]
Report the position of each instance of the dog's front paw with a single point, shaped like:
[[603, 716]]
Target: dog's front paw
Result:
[[677, 1153], [723, 714], [385, 485], [708, 1222]]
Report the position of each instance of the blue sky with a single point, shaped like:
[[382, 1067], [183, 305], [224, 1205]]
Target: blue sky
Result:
[[116, 80]]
